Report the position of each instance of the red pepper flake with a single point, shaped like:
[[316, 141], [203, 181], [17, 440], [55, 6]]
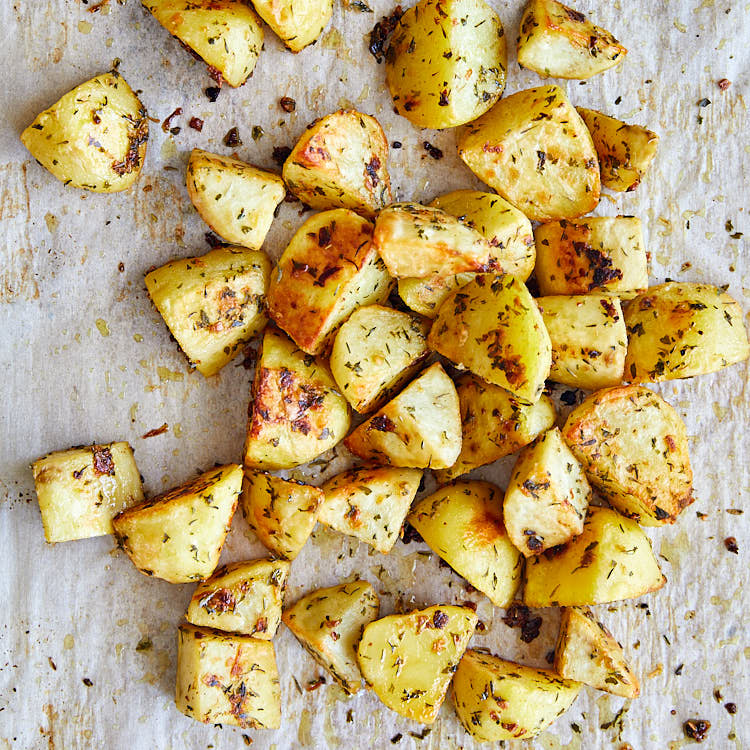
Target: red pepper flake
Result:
[[731, 544], [166, 126], [315, 684], [696, 729], [433, 151], [287, 104], [156, 431], [232, 138], [724, 84], [103, 463], [196, 123]]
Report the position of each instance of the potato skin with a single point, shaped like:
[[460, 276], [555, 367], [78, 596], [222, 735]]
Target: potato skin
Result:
[[296, 22]]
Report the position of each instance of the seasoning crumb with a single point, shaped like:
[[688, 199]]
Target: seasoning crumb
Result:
[[232, 138], [287, 104], [196, 123], [723, 83], [618, 100], [212, 93], [731, 544], [731, 708], [54, 666], [121, 267], [696, 729], [350, 716], [257, 132], [87, 682], [166, 126], [703, 102], [396, 738], [678, 671], [396, 144], [433, 151], [247, 740]]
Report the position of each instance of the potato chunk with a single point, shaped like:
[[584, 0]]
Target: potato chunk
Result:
[[328, 623], [225, 678], [375, 352], [589, 340], [561, 42], [328, 270], [633, 446], [243, 597], [94, 137], [463, 523], [296, 413], [446, 62], [409, 660], [587, 652], [535, 150], [370, 504], [500, 700], [679, 330], [611, 560], [493, 327], [81, 490], [213, 304], [226, 34], [178, 535], [420, 428], [296, 22], [625, 151], [547, 496], [340, 161]]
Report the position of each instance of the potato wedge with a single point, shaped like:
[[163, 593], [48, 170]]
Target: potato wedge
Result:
[[587, 652], [500, 700], [328, 623], [419, 428], [493, 327], [446, 62], [340, 161], [558, 41], [611, 560], [213, 304], [178, 535], [463, 523], [409, 660], [679, 330], [94, 137], [296, 22], [633, 446], [535, 150]]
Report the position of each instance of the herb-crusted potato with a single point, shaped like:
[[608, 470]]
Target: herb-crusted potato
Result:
[[419, 428], [94, 137], [296, 413], [678, 330], [493, 327], [243, 597], [535, 150], [296, 22], [81, 490], [213, 304], [225, 34], [370, 504], [611, 560], [463, 523], [561, 42], [633, 446], [178, 535], [587, 652], [446, 62], [328, 270], [595, 255], [500, 700], [409, 660], [226, 678], [328, 623], [340, 161]]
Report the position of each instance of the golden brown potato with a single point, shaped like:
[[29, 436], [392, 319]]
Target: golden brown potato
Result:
[[94, 137], [340, 161], [535, 150], [296, 22]]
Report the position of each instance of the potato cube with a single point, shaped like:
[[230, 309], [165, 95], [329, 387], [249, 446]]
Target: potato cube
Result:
[[296, 22]]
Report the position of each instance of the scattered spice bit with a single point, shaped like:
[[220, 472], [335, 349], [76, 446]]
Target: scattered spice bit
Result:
[[232, 138], [213, 240], [731, 708], [287, 104], [281, 154], [433, 151], [735, 511], [519, 616], [156, 431], [618, 100], [54, 666], [696, 729], [421, 735], [121, 267], [678, 671], [381, 32], [212, 93], [703, 102], [257, 132], [196, 123], [481, 627], [731, 544], [315, 684], [396, 738], [96, 8], [723, 83], [656, 671], [166, 126], [350, 716], [396, 144], [145, 644], [87, 682], [247, 740], [359, 5], [718, 697], [410, 534]]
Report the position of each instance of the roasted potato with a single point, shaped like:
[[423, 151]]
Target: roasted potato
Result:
[[243, 597], [225, 34], [328, 623], [340, 161], [226, 678], [81, 490], [178, 535], [611, 560], [213, 304], [446, 62], [633, 446], [94, 137], [493, 327], [595, 255], [587, 652], [625, 152], [419, 428], [500, 700], [296, 413], [328, 270], [370, 504], [463, 523], [678, 330], [409, 660], [296, 22], [561, 42], [537, 153], [588, 337]]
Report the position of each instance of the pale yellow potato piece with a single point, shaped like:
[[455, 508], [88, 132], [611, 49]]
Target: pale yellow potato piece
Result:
[[296, 22]]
